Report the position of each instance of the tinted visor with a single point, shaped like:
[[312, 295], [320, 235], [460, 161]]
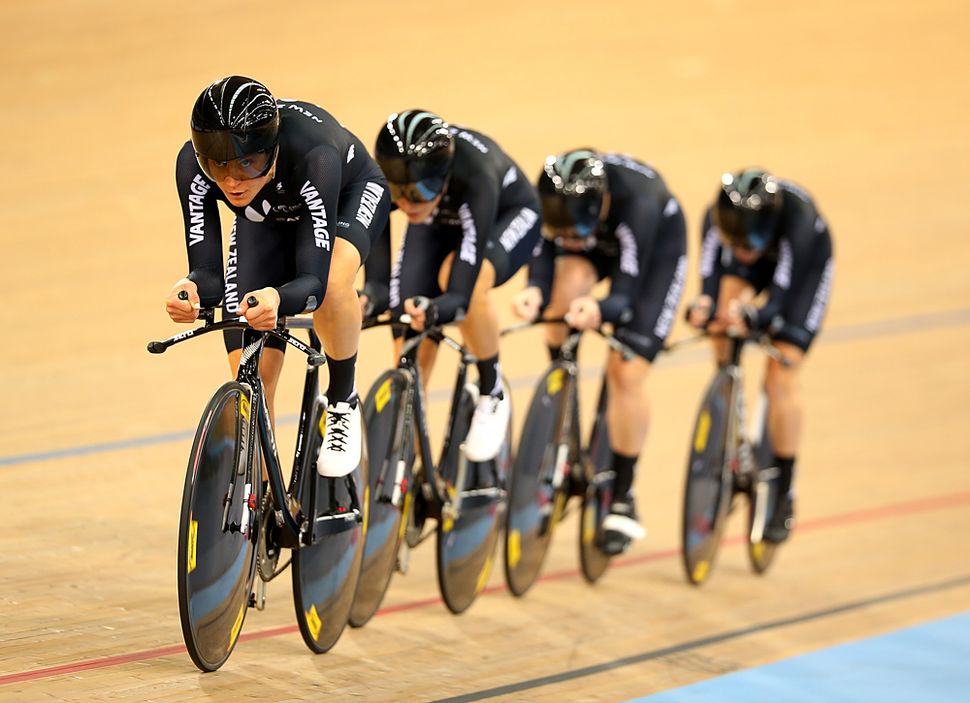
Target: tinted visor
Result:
[[572, 216], [413, 169], [422, 191], [746, 229], [244, 168]]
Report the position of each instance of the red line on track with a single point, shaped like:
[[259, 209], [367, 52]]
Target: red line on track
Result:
[[866, 515]]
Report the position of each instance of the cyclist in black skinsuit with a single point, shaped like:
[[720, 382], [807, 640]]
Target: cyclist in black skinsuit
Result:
[[308, 201], [473, 222], [765, 234], [610, 216]]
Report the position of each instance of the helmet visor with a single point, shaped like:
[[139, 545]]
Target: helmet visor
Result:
[[403, 169], [745, 229], [573, 216], [244, 168], [422, 191]]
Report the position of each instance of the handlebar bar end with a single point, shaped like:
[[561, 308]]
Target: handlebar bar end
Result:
[[156, 347]]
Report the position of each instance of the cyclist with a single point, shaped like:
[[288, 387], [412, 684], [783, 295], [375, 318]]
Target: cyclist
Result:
[[610, 216], [308, 201], [766, 234], [473, 221]]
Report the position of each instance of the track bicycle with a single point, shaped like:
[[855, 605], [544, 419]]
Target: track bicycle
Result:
[[237, 514], [552, 464], [727, 461], [407, 487]]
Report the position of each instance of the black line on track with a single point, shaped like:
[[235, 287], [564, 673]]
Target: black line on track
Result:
[[704, 642]]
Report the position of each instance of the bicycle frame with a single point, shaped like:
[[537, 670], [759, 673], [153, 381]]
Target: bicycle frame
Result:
[[248, 376]]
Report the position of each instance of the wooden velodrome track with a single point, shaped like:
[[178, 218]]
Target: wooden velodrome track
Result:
[[865, 103]]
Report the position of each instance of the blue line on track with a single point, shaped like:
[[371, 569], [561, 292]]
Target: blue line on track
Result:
[[865, 330], [927, 662]]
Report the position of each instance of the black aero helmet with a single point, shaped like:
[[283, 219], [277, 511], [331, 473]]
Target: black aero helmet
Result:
[[571, 187], [415, 149], [236, 118], [748, 207]]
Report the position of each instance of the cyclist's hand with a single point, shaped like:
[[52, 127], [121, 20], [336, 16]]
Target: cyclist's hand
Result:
[[261, 316], [526, 304], [737, 319], [417, 315], [183, 310], [584, 313], [699, 311]]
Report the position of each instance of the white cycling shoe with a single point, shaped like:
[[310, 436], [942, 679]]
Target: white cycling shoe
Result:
[[487, 431], [340, 452]]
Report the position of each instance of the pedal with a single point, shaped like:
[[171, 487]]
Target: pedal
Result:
[[403, 558], [260, 595]]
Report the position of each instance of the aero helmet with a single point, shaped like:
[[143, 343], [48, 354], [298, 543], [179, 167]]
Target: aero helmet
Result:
[[747, 209], [235, 129], [572, 186], [415, 150]]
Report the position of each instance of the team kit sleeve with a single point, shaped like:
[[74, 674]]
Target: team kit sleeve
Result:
[[320, 192], [377, 272], [795, 255], [711, 267], [478, 214], [636, 235], [542, 269], [198, 197]]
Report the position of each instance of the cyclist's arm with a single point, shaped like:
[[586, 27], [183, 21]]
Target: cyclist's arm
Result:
[[377, 272], [315, 232], [636, 245], [477, 214], [542, 268], [198, 197], [711, 267], [796, 251]]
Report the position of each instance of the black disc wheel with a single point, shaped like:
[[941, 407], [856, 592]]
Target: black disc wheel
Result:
[[387, 495], [327, 564], [469, 526], [709, 488], [539, 482], [763, 497], [219, 528], [597, 498]]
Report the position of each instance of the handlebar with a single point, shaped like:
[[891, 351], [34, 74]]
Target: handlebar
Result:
[[207, 315], [574, 335]]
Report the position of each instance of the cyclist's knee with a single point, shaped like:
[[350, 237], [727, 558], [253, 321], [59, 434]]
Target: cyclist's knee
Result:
[[627, 375]]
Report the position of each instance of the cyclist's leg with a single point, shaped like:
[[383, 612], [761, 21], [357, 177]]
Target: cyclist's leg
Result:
[[362, 215], [510, 244], [628, 408], [803, 315], [259, 256]]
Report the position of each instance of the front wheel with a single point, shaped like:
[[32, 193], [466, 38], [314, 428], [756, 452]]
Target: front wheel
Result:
[[387, 497], [539, 483], [709, 487], [598, 496], [218, 528], [764, 494], [327, 564], [472, 517]]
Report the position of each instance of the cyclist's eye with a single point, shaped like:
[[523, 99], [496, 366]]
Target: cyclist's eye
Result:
[[245, 163]]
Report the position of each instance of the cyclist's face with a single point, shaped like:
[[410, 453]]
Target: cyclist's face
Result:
[[240, 191], [417, 212], [746, 256]]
